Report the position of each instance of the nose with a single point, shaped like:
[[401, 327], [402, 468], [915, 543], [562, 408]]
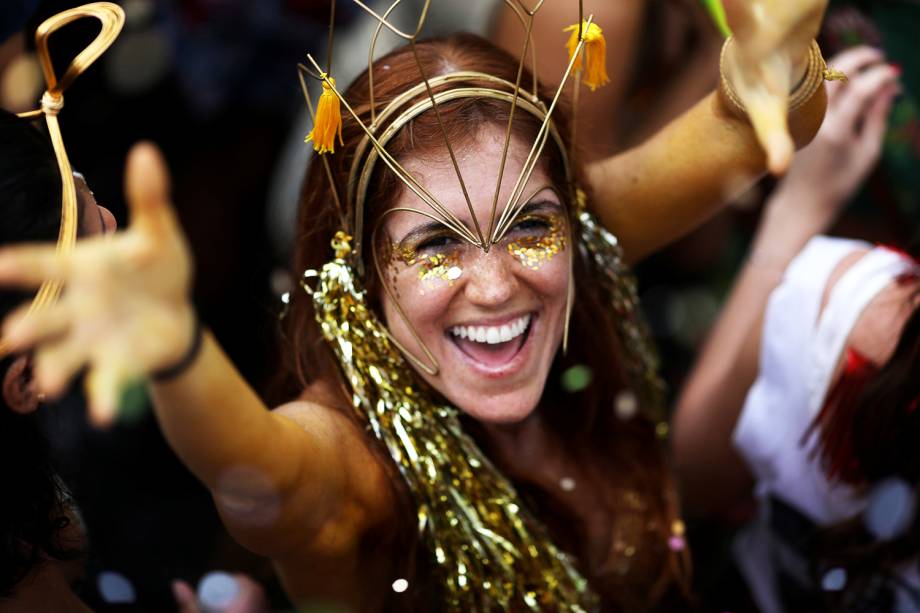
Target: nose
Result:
[[491, 280]]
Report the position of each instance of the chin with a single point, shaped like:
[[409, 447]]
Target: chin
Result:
[[505, 409]]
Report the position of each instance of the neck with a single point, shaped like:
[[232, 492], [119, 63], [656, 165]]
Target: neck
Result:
[[527, 445]]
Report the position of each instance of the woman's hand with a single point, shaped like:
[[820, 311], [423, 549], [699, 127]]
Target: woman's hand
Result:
[[125, 310], [766, 61], [826, 174]]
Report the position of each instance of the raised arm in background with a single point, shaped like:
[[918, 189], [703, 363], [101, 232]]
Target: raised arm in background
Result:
[[662, 189], [822, 178]]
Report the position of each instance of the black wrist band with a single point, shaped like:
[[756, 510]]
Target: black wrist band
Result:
[[171, 372]]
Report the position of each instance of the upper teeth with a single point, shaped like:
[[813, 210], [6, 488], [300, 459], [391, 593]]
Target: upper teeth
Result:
[[493, 335]]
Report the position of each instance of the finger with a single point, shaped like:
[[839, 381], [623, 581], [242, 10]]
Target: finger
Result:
[[876, 123], [57, 364], [147, 187], [23, 329], [185, 597], [104, 384], [851, 61], [855, 98], [31, 265]]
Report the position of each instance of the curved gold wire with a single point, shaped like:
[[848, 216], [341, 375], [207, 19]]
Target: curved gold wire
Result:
[[433, 367], [518, 7], [370, 62], [423, 16], [112, 18]]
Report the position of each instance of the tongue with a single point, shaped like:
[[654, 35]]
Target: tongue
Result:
[[490, 355]]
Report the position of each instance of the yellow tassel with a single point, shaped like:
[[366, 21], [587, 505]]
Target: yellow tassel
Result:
[[595, 53], [328, 122]]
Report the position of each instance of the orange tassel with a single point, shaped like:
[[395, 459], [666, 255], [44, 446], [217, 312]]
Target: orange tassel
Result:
[[328, 122], [595, 54]]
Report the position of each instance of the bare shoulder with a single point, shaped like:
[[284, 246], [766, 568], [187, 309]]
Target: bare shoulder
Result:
[[841, 269], [879, 327], [369, 499]]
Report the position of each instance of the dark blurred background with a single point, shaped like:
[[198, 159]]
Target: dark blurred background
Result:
[[213, 83]]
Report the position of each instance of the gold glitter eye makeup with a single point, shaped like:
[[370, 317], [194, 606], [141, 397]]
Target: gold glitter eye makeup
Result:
[[443, 266], [539, 238]]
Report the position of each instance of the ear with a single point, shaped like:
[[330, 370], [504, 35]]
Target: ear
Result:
[[19, 391]]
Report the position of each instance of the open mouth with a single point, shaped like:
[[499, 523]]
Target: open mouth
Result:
[[493, 346]]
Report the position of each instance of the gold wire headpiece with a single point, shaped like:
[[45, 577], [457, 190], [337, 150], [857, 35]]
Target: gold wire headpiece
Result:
[[112, 18], [487, 86]]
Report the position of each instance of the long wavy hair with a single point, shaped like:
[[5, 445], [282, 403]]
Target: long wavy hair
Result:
[[630, 474]]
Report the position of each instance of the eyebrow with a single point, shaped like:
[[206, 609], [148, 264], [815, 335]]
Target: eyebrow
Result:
[[426, 229]]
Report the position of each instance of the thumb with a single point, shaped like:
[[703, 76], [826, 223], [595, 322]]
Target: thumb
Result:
[[147, 186]]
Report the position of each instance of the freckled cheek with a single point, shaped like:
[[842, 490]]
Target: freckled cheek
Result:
[[550, 279], [424, 301]]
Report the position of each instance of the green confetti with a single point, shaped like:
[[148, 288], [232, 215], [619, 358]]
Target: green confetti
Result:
[[576, 378], [133, 402]]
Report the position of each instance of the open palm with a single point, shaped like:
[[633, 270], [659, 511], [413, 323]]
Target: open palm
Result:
[[125, 310]]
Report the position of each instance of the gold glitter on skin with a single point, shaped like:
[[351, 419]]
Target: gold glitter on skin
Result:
[[536, 250], [440, 266]]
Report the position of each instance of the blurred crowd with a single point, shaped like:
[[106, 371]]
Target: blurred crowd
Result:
[[213, 83]]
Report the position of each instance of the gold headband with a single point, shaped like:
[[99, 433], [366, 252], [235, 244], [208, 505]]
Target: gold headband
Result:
[[112, 18]]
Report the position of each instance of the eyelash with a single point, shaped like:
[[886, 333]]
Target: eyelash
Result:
[[532, 224], [436, 243], [440, 243]]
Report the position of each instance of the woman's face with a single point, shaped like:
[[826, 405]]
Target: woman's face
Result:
[[493, 321]]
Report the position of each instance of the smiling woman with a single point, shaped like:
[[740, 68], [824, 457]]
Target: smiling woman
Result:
[[434, 457], [489, 325]]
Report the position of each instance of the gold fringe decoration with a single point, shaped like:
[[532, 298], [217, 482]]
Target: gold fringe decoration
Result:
[[328, 122], [595, 53], [487, 551]]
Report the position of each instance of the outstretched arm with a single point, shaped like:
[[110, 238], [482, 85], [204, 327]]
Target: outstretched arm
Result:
[[805, 203], [664, 188], [125, 314]]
